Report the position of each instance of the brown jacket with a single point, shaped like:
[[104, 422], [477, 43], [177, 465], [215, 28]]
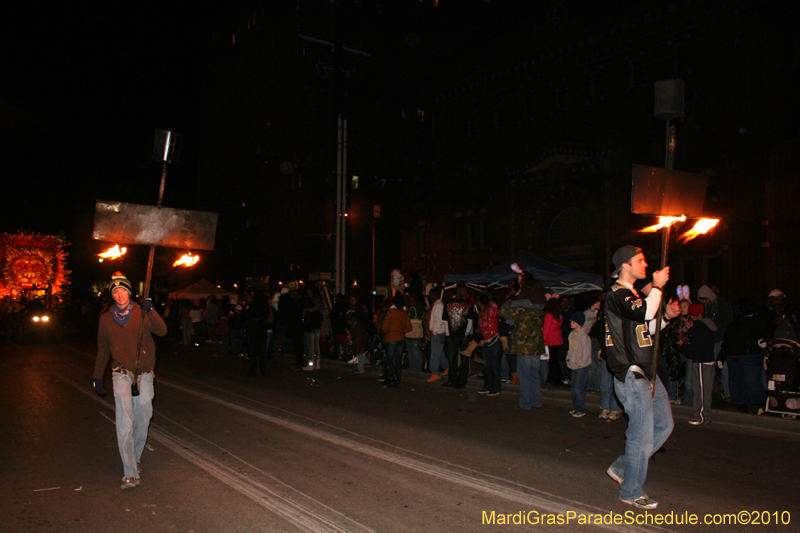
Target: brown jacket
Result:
[[395, 325], [119, 343]]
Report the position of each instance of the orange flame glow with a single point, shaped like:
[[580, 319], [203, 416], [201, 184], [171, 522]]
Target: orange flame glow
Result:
[[702, 226], [663, 222], [115, 252], [187, 260]]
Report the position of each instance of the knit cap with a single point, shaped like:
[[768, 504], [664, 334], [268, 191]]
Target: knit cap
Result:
[[578, 318], [118, 280]]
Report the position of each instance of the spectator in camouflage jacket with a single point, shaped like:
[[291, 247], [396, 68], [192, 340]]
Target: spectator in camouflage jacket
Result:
[[527, 344]]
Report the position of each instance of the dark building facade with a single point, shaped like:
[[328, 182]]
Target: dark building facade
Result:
[[534, 150]]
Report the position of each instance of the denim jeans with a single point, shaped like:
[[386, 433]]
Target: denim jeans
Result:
[[593, 381], [530, 386], [649, 426], [394, 359], [133, 418], [414, 347], [493, 354], [578, 388], [311, 343], [362, 360], [608, 400], [188, 331], [509, 365], [438, 360], [544, 371], [745, 379]]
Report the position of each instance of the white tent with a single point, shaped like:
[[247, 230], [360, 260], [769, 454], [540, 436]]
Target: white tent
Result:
[[202, 289]]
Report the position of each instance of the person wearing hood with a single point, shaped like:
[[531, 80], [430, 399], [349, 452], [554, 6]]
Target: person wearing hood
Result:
[[718, 310], [785, 320], [579, 359], [700, 349]]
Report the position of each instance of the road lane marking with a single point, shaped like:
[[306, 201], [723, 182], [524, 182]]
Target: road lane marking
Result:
[[302, 515], [545, 501]]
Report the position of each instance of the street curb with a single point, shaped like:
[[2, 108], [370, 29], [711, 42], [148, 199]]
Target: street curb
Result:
[[681, 413]]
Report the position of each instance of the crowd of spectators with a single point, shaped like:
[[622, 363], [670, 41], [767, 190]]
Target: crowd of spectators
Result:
[[516, 335]]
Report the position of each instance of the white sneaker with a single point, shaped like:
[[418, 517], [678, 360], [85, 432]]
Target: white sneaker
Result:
[[353, 361]]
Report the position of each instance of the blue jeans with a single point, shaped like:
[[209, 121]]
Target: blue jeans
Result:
[[311, 343], [649, 426], [493, 354], [509, 365], [394, 359], [544, 371], [414, 347], [133, 418], [188, 331], [578, 388], [745, 379], [595, 368], [530, 385], [361, 358], [608, 400], [438, 360]]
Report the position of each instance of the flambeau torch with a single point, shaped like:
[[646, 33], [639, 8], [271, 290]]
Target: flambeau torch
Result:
[[671, 195], [115, 252]]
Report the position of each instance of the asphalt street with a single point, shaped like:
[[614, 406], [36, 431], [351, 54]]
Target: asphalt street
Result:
[[330, 450]]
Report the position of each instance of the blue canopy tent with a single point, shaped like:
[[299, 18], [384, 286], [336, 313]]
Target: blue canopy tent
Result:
[[553, 278]]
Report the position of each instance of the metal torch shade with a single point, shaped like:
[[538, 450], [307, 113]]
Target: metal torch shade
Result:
[[662, 192], [157, 226]]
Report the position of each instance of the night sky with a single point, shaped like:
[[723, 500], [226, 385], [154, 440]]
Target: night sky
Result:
[[83, 90]]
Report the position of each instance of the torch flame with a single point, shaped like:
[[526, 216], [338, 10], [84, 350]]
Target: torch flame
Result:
[[187, 260], [702, 226], [115, 252], [663, 222]]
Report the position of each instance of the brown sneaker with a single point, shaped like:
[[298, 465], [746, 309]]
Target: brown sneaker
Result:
[[433, 378], [129, 482]]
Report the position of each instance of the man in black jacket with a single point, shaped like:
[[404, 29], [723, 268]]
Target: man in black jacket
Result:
[[629, 346]]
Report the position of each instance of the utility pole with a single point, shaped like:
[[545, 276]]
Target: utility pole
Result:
[[341, 163]]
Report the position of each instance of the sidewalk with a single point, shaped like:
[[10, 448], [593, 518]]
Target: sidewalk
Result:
[[722, 413]]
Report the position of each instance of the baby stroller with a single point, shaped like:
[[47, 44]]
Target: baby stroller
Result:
[[783, 382]]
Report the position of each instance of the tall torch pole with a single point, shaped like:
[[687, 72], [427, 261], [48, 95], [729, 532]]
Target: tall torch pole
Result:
[[665, 235], [165, 149], [668, 105]]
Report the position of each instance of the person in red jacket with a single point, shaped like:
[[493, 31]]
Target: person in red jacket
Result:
[[553, 338], [124, 328], [489, 321]]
